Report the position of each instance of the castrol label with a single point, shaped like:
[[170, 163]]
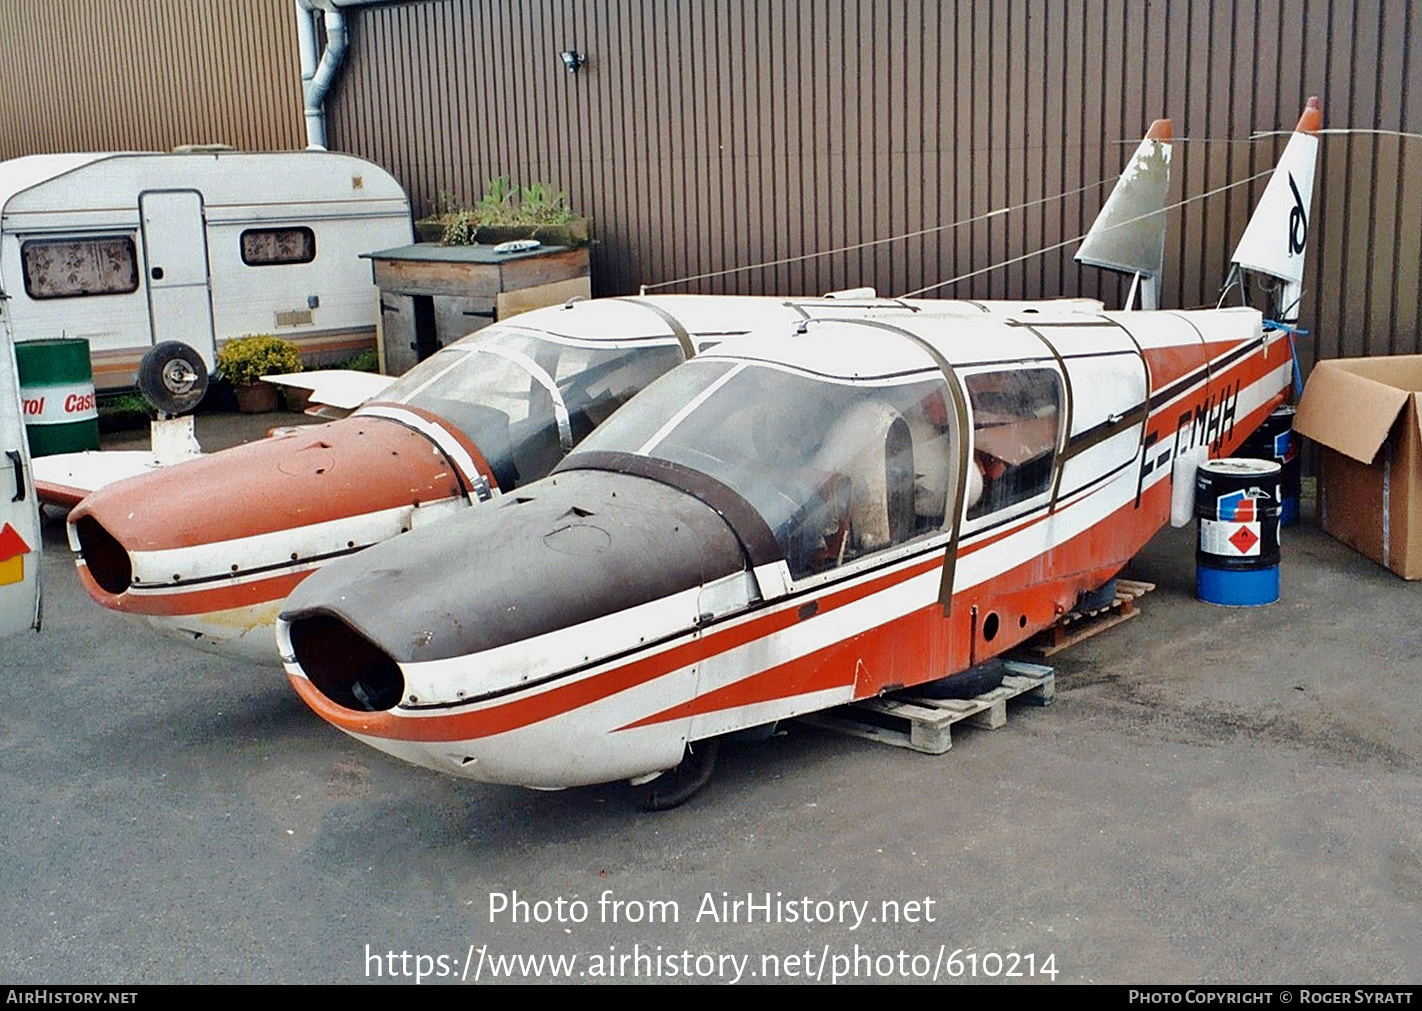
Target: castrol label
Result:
[[57, 405]]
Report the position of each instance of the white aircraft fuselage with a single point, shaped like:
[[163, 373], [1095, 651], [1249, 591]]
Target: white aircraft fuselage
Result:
[[788, 523]]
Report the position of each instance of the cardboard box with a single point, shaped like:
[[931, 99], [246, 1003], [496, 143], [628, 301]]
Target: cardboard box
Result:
[[1367, 414]]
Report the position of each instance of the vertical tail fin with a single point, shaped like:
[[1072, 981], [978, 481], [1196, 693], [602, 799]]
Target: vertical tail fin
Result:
[[1276, 238], [1129, 233]]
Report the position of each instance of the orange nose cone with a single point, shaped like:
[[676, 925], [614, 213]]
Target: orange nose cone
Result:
[[1161, 129], [350, 468], [326, 472], [1312, 118]]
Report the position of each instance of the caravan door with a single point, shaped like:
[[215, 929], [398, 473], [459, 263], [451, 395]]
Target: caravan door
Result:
[[175, 250], [19, 510]]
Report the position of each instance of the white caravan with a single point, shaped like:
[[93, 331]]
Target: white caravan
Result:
[[132, 249]]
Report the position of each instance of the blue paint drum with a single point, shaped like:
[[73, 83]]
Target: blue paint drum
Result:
[[1275, 440], [1238, 517]]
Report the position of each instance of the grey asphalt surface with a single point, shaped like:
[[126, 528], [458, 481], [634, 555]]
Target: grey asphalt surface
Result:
[[1217, 795]]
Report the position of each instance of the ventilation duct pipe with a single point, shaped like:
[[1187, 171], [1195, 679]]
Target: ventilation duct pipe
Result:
[[317, 77]]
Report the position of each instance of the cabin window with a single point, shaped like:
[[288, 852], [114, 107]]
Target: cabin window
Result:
[[71, 268], [270, 247], [1016, 426], [838, 469]]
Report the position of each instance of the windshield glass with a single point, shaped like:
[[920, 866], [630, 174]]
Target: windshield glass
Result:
[[526, 398], [837, 469]]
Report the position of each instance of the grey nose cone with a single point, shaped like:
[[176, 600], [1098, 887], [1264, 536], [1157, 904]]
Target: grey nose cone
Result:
[[565, 550]]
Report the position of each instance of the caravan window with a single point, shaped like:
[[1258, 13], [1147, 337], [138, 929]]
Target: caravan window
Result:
[[69, 268], [268, 247]]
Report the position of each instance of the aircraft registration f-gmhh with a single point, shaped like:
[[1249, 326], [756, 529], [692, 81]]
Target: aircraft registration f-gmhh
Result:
[[812, 514]]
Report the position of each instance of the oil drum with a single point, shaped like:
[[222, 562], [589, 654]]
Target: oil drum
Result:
[[1276, 440], [1237, 513], [57, 395]]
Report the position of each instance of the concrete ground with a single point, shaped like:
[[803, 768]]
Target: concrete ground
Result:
[[1217, 795]]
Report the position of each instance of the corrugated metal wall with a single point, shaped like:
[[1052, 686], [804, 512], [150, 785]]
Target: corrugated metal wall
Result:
[[705, 134], [104, 75]]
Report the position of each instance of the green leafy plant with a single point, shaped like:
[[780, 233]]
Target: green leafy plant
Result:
[[124, 403], [244, 360], [540, 205], [499, 204], [504, 203], [460, 227], [366, 361], [122, 411]]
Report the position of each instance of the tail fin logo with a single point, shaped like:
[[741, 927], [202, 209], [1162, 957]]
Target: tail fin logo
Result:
[[1298, 221]]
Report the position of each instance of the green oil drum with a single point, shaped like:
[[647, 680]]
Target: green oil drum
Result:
[[57, 394]]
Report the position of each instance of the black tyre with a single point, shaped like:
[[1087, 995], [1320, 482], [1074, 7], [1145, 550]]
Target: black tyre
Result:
[[173, 377], [1101, 597], [968, 684], [676, 786]]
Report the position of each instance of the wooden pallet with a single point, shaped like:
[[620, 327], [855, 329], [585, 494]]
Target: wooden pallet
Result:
[[1075, 627], [906, 721]]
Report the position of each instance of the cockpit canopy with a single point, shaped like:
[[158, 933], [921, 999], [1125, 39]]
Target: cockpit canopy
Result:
[[841, 467], [526, 397], [837, 468]]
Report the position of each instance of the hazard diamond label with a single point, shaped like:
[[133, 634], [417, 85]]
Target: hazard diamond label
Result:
[[1244, 539], [1229, 539]]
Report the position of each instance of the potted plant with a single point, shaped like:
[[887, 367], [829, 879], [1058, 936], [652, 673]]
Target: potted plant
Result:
[[508, 211], [432, 228], [243, 361]]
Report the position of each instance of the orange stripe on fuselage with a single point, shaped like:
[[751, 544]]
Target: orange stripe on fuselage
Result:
[[552, 702], [1173, 362], [196, 601], [923, 645]]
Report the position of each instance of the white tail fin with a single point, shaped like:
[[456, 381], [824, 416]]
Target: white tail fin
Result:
[[1129, 233], [1275, 240]]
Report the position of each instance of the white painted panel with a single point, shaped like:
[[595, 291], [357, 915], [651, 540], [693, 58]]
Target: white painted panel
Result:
[[175, 247], [1088, 340], [1102, 388], [1103, 391], [19, 510]]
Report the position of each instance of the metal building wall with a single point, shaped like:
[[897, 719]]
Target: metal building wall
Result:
[[706, 134], [104, 75]]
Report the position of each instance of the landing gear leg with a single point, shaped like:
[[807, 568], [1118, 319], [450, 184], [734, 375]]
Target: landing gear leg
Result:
[[678, 785]]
